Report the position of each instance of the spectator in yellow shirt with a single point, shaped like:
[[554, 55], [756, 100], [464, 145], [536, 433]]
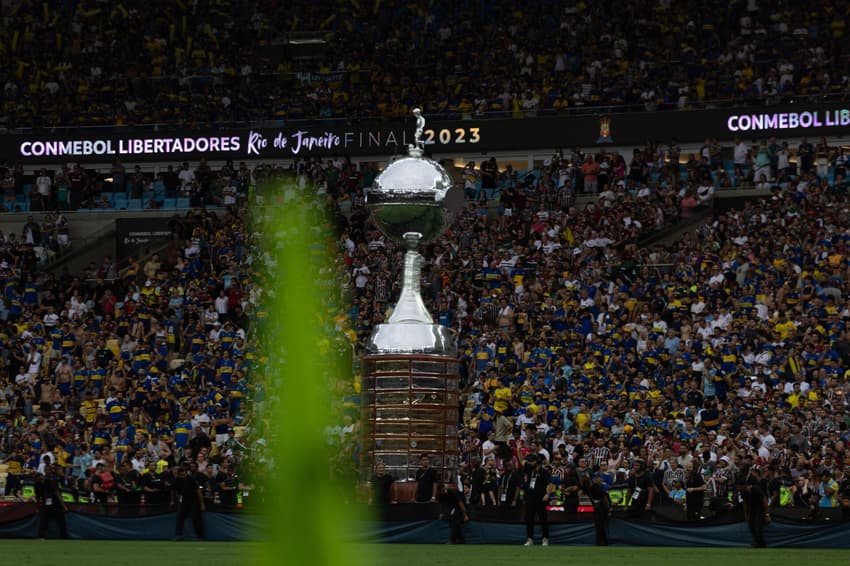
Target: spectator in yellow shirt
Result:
[[88, 408], [583, 420], [784, 326], [502, 397]]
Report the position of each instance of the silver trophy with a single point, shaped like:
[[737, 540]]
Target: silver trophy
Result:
[[413, 202], [411, 370]]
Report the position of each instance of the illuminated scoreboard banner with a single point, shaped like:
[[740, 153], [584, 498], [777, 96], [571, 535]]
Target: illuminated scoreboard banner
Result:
[[458, 137], [784, 121], [253, 144], [381, 139]]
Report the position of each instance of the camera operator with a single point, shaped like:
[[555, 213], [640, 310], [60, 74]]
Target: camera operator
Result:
[[535, 485]]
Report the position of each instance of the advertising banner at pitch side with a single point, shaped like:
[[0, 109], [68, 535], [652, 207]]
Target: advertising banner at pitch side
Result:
[[470, 137]]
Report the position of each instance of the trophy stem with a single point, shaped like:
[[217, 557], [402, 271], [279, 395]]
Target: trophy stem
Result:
[[410, 307]]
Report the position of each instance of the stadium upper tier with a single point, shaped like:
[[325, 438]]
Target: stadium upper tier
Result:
[[194, 63]]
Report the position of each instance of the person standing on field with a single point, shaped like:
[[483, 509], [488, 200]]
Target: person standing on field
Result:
[[536, 485], [754, 500], [48, 498], [186, 495]]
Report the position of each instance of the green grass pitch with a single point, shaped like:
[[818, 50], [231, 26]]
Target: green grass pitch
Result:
[[115, 553], [496, 555]]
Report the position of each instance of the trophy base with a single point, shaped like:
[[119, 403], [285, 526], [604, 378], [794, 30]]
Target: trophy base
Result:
[[410, 409]]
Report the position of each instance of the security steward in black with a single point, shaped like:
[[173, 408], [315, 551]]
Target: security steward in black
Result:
[[754, 500], [641, 489], [186, 495], [455, 512], [598, 495], [48, 498], [536, 495]]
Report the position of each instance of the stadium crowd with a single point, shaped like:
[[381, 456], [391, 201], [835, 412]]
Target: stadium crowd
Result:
[[213, 62], [726, 351], [120, 372]]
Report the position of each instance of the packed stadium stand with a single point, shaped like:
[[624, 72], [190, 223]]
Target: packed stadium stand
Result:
[[211, 62], [726, 350]]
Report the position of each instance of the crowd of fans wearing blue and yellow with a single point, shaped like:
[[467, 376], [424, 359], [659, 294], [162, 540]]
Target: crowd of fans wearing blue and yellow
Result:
[[112, 374], [726, 350]]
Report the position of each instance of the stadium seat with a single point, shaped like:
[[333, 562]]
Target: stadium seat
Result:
[[183, 203], [134, 204]]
